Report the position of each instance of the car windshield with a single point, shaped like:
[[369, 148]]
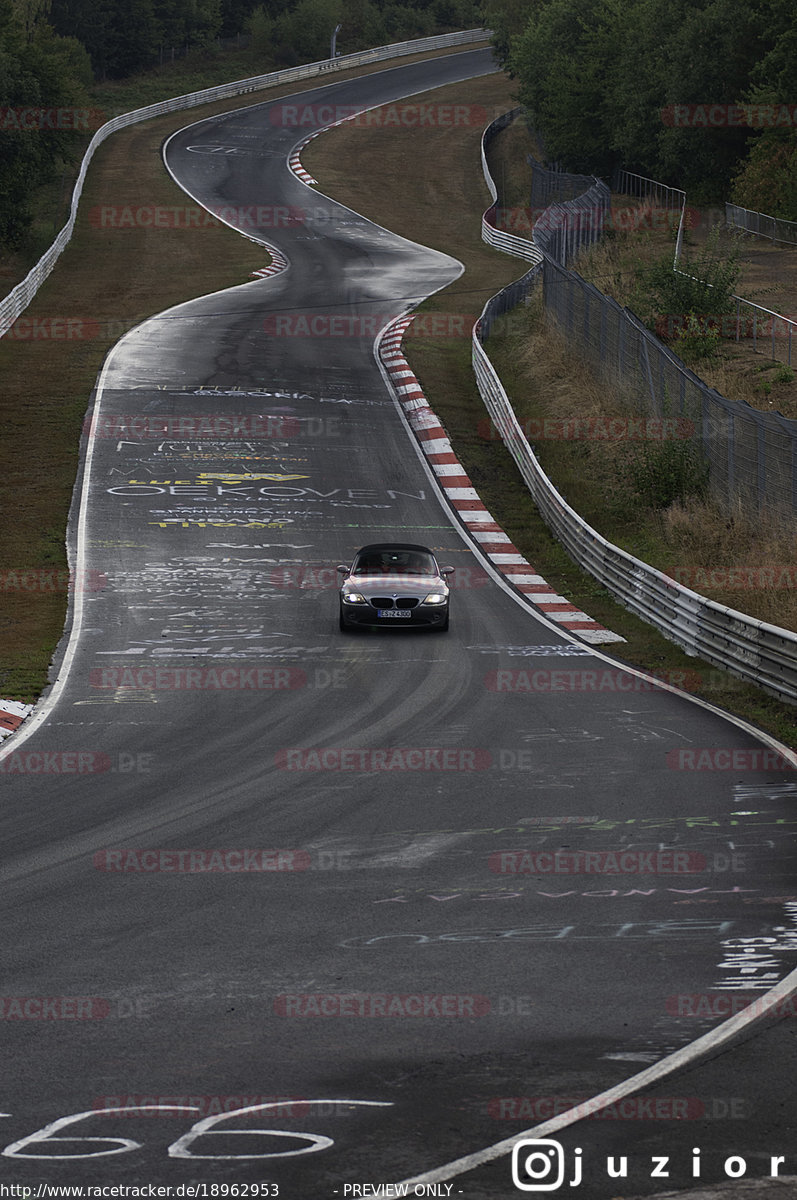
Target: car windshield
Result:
[[394, 562]]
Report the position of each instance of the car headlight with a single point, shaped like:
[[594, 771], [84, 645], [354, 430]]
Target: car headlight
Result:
[[354, 598], [435, 598]]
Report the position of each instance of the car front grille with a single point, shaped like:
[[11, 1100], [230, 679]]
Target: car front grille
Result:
[[389, 602]]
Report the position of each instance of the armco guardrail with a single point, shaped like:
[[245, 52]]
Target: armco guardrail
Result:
[[752, 650], [498, 238], [17, 300]]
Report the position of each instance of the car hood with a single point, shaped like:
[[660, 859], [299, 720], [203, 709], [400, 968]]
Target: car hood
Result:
[[400, 585]]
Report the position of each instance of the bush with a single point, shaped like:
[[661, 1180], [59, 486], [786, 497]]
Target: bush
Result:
[[659, 474], [703, 283], [696, 340]]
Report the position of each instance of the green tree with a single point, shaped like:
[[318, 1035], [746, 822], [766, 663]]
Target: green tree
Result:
[[261, 30], [303, 33], [710, 58], [132, 41], [598, 77], [363, 25], [404, 21], [30, 14], [455, 14], [767, 178], [560, 60], [767, 181], [634, 43], [507, 19], [38, 69]]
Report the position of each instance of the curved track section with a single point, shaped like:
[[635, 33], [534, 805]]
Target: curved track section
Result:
[[384, 897]]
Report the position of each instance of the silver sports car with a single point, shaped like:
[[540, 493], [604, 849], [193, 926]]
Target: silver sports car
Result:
[[394, 584]]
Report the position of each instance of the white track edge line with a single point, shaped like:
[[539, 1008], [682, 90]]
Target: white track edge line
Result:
[[635, 1083]]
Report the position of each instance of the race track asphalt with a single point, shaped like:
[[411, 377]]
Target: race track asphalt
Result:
[[443, 885]]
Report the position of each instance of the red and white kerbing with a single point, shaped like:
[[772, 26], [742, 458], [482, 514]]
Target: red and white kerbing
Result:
[[464, 499], [279, 263], [12, 714]]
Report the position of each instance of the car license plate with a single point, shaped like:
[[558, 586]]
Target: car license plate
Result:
[[394, 612]]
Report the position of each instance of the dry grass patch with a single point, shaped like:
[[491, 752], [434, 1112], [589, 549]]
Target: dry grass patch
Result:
[[734, 559]]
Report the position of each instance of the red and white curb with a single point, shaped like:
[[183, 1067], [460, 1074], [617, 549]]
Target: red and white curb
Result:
[[12, 714], [464, 499], [279, 263], [294, 158], [296, 166]]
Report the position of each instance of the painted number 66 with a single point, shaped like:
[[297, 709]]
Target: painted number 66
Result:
[[182, 1147]]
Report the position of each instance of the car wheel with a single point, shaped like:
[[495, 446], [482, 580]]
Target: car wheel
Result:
[[444, 627]]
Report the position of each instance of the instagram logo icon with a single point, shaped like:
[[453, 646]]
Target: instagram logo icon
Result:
[[538, 1165]]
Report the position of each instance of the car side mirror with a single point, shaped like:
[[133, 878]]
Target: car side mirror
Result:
[[446, 570], [343, 570]]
